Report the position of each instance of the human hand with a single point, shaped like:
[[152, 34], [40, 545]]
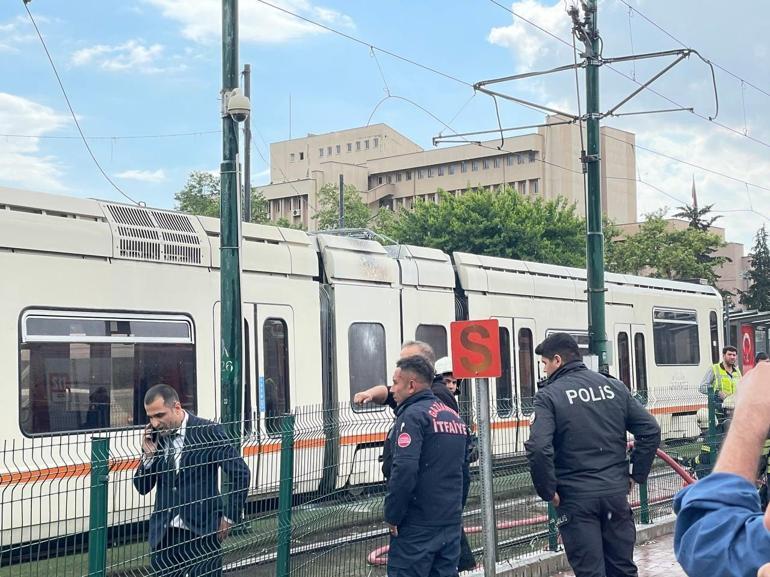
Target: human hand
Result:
[[362, 398], [764, 571], [721, 395], [752, 400], [149, 444], [393, 530], [224, 529], [630, 485], [556, 501]]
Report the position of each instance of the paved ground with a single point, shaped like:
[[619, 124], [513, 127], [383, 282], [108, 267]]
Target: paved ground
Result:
[[654, 559]]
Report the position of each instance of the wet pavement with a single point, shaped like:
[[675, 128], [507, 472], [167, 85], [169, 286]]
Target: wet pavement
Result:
[[654, 558]]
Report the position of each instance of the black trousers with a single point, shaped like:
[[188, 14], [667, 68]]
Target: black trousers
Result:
[[424, 551], [181, 552], [598, 535]]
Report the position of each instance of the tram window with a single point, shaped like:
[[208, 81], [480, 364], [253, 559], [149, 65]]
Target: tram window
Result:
[[582, 339], [624, 359], [83, 374], [504, 390], [675, 337], [366, 358], [526, 370], [435, 336], [714, 326], [640, 358], [275, 340]]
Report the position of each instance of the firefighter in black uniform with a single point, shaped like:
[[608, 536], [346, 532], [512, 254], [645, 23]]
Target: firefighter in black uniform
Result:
[[423, 505], [578, 458]]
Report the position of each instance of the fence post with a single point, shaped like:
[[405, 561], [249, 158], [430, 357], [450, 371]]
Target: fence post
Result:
[[553, 529], [644, 504], [283, 562], [712, 442], [97, 527], [488, 525]]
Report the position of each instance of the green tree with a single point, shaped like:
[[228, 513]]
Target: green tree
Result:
[[503, 223], [357, 213], [697, 217], [658, 250], [758, 295], [201, 195]]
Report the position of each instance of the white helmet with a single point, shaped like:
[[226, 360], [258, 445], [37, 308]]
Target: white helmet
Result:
[[443, 366], [703, 418], [729, 402]]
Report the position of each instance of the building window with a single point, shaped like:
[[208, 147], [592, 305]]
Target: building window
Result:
[[509, 160], [440, 170], [366, 358], [339, 149], [485, 163], [533, 186], [320, 152], [350, 147], [376, 142], [474, 165], [87, 371], [430, 172], [420, 172], [496, 161], [532, 156], [398, 177], [519, 158], [275, 343], [389, 179], [521, 187], [435, 336], [291, 157], [675, 337], [329, 151], [451, 169], [302, 156], [358, 145], [408, 175], [366, 144], [464, 166], [379, 180]]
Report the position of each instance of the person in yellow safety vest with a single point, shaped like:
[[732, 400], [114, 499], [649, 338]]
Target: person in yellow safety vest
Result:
[[721, 380]]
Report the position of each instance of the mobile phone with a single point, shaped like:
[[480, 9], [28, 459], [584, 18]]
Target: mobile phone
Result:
[[152, 435]]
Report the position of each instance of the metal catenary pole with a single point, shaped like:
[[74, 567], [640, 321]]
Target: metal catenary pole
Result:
[[231, 325], [489, 528], [247, 148], [97, 528], [595, 242]]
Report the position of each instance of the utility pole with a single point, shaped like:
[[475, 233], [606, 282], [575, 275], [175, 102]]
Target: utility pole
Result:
[[588, 34], [247, 148], [342, 202], [229, 273]]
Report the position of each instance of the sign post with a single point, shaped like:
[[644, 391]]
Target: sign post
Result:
[[476, 356]]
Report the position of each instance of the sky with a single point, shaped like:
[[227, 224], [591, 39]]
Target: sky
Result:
[[143, 78]]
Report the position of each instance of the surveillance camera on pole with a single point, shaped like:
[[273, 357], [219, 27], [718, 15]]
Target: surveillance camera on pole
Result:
[[236, 105]]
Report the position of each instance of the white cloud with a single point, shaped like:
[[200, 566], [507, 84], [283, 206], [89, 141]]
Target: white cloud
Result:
[[132, 55], [143, 175], [14, 33], [530, 45], [21, 162], [201, 21]]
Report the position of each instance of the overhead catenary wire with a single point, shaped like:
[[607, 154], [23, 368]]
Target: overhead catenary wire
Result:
[[113, 137], [72, 111]]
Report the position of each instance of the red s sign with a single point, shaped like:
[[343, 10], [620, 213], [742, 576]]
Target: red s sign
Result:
[[476, 349]]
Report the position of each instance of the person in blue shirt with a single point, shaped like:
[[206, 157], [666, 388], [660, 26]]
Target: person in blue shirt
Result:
[[720, 529]]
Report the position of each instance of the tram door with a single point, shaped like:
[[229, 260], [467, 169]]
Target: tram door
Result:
[[631, 357]]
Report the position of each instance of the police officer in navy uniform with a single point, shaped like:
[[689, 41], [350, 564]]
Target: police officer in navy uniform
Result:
[[577, 452], [423, 505]]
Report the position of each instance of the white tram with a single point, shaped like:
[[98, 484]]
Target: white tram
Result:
[[99, 301]]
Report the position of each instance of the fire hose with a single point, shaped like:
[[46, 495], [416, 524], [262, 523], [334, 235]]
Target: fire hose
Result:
[[379, 555]]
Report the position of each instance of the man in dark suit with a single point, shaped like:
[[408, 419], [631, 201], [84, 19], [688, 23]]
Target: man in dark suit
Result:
[[181, 457]]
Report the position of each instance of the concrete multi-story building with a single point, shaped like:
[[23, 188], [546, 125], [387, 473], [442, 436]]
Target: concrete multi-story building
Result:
[[390, 170]]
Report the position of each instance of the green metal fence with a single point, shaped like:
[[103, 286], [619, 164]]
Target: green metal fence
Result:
[[70, 504]]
